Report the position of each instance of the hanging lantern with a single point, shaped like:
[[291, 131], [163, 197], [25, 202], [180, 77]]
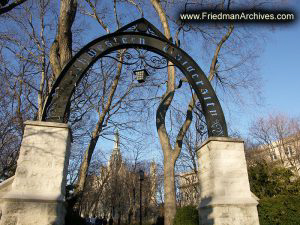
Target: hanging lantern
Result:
[[141, 75]]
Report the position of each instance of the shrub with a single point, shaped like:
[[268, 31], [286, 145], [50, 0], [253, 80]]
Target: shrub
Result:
[[279, 210], [266, 181], [160, 220], [187, 215]]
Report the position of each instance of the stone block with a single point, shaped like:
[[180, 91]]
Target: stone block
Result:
[[37, 192], [225, 196], [9, 220]]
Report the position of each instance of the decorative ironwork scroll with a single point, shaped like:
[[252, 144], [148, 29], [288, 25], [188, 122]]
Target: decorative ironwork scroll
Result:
[[137, 35], [140, 58]]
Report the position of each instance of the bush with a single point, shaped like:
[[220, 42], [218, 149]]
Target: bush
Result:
[[159, 220], [279, 210], [266, 181], [73, 218], [187, 215]]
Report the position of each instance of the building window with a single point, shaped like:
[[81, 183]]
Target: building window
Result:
[[273, 156], [288, 151]]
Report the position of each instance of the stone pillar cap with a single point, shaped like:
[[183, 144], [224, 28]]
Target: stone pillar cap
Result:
[[49, 124], [46, 124], [35, 197], [220, 139]]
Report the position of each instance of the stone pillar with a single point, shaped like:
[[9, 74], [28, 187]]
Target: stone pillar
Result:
[[37, 193], [225, 196]]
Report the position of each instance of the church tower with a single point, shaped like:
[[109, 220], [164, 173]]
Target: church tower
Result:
[[116, 157], [153, 183]]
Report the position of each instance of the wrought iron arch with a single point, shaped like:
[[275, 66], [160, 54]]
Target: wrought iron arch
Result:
[[138, 34]]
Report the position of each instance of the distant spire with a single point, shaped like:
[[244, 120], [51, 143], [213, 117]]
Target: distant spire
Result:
[[152, 168], [153, 183], [117, 140], [116, 157]]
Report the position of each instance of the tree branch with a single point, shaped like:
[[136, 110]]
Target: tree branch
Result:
[[212, 69], [185, 126], [11, 6], [95, 15]]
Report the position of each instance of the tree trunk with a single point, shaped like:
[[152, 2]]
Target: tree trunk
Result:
[[85, 163], [169, 189], [170, 154], [97, 130], [61, 49], [11, 6]]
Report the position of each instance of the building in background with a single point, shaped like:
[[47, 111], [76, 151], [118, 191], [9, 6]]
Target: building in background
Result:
[[115, 190], [189, 188], [284, 152]]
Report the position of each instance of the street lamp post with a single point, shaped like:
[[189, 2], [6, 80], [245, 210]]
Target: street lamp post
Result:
[[141, 172]]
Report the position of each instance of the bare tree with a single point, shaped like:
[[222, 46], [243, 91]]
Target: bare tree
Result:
[[277, 138], [25, 64], [112, 101], [171, 153], [61, 49], [21, 61], [5, 6], [114, 190], [114, 94]]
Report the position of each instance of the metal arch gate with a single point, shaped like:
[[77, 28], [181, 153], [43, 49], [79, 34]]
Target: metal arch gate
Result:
[[138, 34]]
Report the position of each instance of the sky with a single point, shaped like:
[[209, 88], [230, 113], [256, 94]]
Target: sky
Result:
[[280, 71], [281, 62], [279, 68]]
